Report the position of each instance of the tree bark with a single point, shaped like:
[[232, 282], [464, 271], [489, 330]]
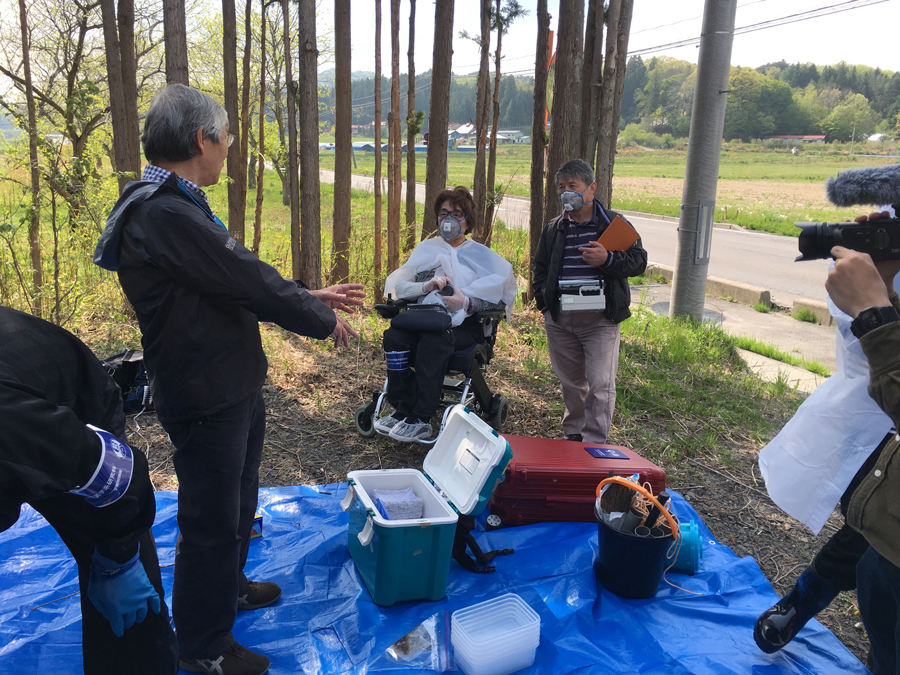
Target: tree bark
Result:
[[244, 137], [340, 240], [311, 197], [621, 57], [576, 49], [292, 179], [236, 198], [34, 219], [479, 181], [411, 132], [175, 36], [395, 142], [378, 243], [538, 129], [436, 162], [607, 123], [560, 127], [261, 169], [593, 74], [116, 92], [125, 23], [495, 122]]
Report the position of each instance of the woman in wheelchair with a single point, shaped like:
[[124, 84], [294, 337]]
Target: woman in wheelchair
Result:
[[461, 276]]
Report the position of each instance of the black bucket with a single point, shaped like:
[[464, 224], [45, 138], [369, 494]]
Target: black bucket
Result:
[[630, 566]]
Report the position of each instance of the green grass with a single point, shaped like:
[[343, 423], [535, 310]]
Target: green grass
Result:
[[763, 307], [772, 352], [805, 314]]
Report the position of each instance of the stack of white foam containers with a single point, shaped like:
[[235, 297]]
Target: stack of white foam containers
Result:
[[495, 637]]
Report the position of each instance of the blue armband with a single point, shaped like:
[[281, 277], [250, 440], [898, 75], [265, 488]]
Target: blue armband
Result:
[[112, 475]]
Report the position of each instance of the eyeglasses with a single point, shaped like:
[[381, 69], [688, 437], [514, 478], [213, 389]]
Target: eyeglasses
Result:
[[229, 140], [458, 215]]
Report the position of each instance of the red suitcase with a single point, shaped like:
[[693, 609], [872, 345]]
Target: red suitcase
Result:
[[552, 480]]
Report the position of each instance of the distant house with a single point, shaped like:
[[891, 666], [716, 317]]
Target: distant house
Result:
[[464, 131], [875, 138], [796, 138]]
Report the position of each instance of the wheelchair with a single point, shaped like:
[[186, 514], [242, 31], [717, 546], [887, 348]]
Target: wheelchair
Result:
[[464, 381]]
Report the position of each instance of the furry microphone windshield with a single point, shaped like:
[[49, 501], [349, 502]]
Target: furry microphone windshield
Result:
[[873, 185]]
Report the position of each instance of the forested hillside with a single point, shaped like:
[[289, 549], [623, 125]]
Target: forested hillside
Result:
[[841, 101]]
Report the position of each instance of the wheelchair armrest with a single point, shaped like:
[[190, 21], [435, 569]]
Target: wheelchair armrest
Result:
[[391, 308]]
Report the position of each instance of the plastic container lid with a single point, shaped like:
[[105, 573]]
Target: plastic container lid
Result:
[[464, 457], [495, 623]]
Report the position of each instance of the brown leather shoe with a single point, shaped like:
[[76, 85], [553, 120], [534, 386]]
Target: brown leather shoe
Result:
[[259, 594]]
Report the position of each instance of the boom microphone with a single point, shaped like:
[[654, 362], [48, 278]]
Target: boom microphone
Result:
[[872, 185]]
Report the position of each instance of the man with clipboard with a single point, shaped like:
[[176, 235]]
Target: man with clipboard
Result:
[[581, 271]]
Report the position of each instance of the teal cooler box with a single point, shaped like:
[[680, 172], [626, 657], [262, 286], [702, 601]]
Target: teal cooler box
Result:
[[401, 560]]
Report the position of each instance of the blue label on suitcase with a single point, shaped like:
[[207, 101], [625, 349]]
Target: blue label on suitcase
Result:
[[607, 453]]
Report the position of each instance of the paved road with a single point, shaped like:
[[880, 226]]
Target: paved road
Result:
[[757, 258]]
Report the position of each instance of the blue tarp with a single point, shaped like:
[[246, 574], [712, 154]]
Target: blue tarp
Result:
[[326, 621]]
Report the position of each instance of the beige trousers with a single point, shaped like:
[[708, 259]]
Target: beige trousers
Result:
[[584, 353]]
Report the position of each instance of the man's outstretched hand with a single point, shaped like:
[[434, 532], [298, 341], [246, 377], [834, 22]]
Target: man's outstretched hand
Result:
[[343, 331], [341, 296]]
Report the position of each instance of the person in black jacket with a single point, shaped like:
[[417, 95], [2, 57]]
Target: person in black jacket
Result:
[[584, 343], [60, 452], [199, 297]]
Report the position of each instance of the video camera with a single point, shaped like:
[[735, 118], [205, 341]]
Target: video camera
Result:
[[879, 238]]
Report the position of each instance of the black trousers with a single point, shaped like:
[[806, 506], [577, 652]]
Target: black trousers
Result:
[[416, 391], [217, 463], [879, 599], [837, 559], [147, 648]]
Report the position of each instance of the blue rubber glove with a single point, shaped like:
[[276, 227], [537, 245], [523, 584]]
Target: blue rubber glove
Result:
[[121, 592]]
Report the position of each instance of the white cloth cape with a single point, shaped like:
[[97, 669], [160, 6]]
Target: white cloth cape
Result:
[[472, 268], [810, 463]]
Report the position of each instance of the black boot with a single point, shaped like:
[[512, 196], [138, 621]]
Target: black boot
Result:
[[779, 624]]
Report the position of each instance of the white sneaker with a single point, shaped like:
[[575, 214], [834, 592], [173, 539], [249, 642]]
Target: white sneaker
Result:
[[411, 431], [383, 425]]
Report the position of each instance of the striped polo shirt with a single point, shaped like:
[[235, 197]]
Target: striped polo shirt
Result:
[[580, 234]]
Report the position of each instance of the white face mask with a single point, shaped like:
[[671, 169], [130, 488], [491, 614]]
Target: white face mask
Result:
[[450, 228]]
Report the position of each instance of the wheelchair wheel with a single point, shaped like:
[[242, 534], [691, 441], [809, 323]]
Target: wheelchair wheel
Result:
[[365, 424], [499, 412]]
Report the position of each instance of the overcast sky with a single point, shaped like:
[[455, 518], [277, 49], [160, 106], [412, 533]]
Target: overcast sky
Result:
[[848, 35]]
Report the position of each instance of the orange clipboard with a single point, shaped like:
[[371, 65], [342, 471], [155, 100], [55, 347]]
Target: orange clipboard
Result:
[[619, 236]]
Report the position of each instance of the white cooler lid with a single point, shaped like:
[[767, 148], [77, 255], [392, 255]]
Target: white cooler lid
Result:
[[463, 458]]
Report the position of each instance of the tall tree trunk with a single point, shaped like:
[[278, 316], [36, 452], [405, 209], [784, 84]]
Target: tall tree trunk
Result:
[[538, 129], [34, 220], [607, 123], [261, 169], [175, 36], [116, 92], [439, 116], [495, 122], [297, 268], [560, 126], [396, 141], [340, 240], [378, 243], [311, 197], [593, 70], [411, 132], [576, 51], [244, 137], [621, 57], [125, 23], [479, 182], [236, 198]]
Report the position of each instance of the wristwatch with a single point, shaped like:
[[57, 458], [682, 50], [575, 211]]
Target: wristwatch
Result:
[[872, 318]]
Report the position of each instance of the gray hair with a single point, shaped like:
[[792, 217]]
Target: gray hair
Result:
[[577, 168], [176, 113]]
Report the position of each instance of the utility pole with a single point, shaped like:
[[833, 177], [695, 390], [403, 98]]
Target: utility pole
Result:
[[698, 198]]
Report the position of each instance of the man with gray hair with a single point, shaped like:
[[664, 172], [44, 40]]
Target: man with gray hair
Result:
[[199, 297], [582, 289]]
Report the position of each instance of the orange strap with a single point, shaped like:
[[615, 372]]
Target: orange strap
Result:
[[676, 531]]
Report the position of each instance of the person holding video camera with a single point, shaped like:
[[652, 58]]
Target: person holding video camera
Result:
[[864, 289], [584, 342]]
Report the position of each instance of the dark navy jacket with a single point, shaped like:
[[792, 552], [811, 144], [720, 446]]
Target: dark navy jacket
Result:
[[199, 297]]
